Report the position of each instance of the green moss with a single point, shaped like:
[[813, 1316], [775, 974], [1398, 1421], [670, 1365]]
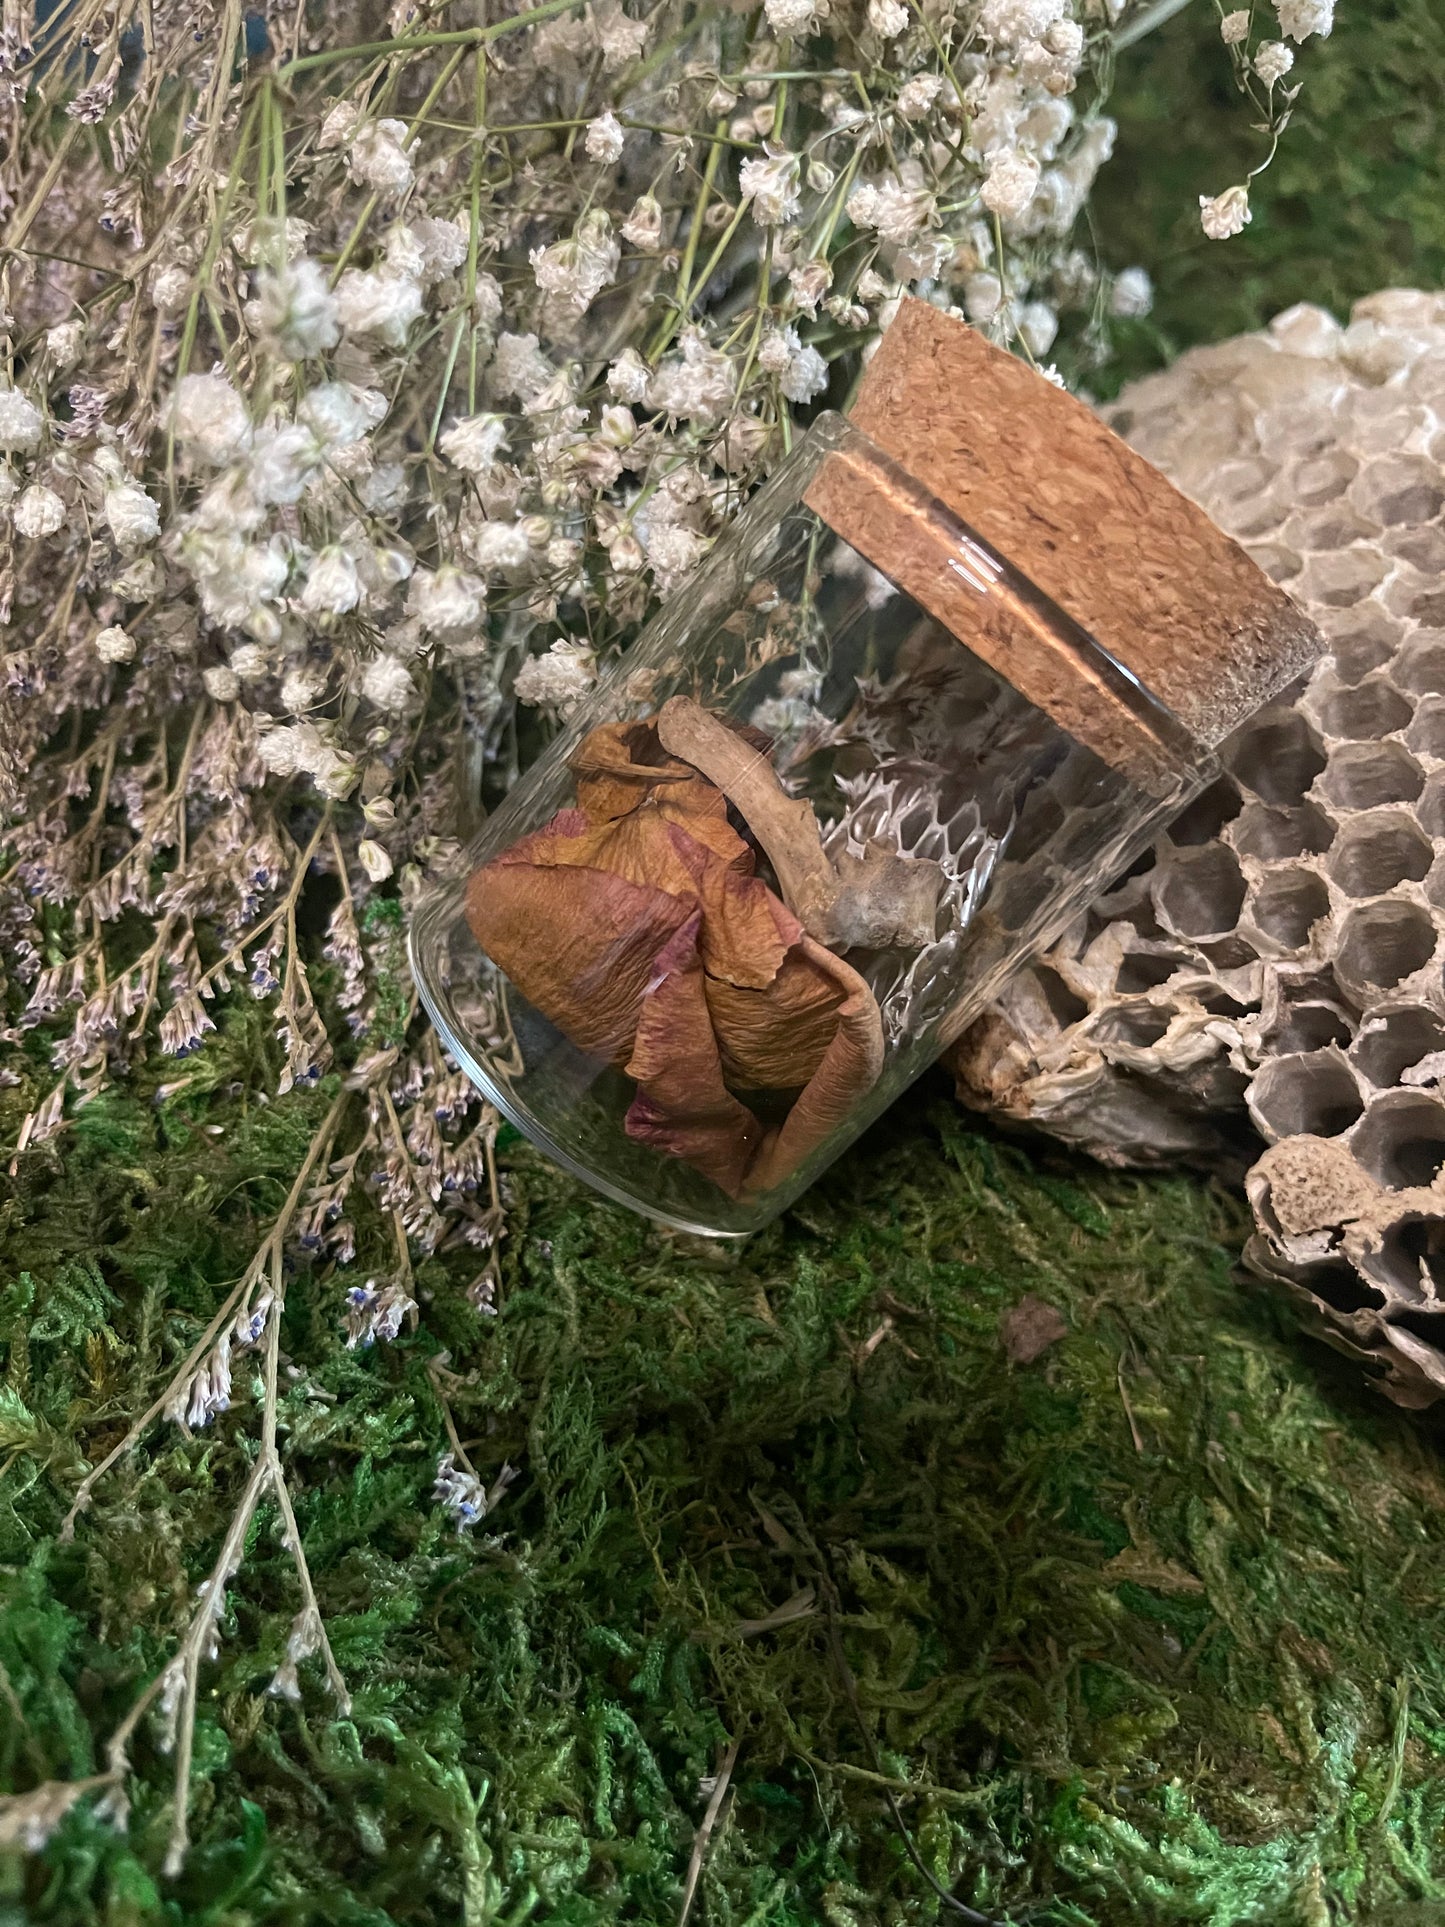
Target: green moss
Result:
[[1144, 1631]]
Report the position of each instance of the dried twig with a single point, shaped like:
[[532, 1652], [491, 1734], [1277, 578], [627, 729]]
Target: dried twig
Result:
[[704, 1833], [878, 901], [265, 1259], [33, 1815]]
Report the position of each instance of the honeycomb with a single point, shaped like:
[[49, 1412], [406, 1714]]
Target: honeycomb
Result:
[[1281, 949]]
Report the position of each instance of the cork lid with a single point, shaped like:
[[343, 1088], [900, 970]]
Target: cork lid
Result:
[[1135, 565]]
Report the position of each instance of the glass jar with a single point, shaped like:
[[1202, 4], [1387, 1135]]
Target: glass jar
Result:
[[842, 786]]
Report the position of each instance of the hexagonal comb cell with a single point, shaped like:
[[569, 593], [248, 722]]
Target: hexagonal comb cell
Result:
[[1374, 853], [1426, 734], [1399, 493], [1411, 1260], [1277, 757], [1371, 709], [1201, 892], [1401, 1139], [1383, 943], [1313, 1094], [1361, 776], [1310, 1026], [1389, 1046], [1324, 850], [1420, 667], [1271, 833], [1288, 905]]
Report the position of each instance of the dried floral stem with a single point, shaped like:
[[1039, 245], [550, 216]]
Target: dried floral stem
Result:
[[183, 1671], [266, 1257]]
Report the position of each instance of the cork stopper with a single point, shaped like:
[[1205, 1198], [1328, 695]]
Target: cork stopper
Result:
[[1134, 564]]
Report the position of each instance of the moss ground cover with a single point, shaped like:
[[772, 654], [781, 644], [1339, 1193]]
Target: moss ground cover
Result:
[[1144, 1630]]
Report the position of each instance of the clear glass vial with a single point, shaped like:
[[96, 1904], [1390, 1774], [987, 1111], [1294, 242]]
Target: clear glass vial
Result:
[[848, 780]]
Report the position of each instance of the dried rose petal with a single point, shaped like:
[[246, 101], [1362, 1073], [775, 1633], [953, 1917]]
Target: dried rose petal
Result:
[[635, 925]]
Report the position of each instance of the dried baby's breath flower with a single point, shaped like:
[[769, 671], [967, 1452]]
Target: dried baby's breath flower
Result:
[[115, 644], [39, 512], [605, 139], [560, 679], [134, 519], [20, 421], [377, 156], [211, 421], [1273, 61], [1010, 184], [770, 187], [387, 683], [295, 312], [1301, 18], [1225, 215]]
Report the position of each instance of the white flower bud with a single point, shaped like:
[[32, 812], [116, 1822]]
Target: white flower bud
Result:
[[300, 689], [222, 684], [170, 289], [770, 184], [617, 426], [982, 296], [64, 343], [560, 679], [604, 141], [643, 227], [1038, 325], [1010, 183], [211, 420], [386, 683], [332, 585], [295, 311], [378, 156], [1226, 214], [916, 96], [383, 304], [20, 421], [792, 19], [133, 517], [1132, 295], [115, 644], [250, 662], [39, 512], [1273, 62], [446, 603], [1300, 18], [474, 443], [374, 860], [628, 377]]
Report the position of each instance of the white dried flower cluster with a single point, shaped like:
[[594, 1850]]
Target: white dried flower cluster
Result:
[[1260, 72], [559, 680], [1272, 62]]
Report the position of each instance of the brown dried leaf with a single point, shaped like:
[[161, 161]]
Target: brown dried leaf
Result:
[[1029, 1329]]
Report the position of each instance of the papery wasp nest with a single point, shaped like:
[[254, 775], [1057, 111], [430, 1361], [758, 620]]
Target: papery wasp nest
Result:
[[1282, 947]]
